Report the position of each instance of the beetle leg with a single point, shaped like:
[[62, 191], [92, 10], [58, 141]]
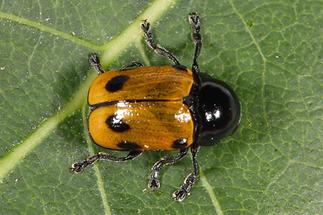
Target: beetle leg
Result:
[[80, 166], [95, 62], [154, 183], [194, 20], [190, 180], [145, 26], [131, 65]]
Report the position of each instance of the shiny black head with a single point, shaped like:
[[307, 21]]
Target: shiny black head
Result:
[[219, 110]]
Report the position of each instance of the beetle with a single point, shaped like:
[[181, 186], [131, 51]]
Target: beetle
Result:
[[154, 108]]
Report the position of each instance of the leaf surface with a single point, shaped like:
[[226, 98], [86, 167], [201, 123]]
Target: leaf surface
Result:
[[270, 52]]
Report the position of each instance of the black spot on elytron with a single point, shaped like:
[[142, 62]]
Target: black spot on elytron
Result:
[[127, 145], [116, 124], [116, 83], [180, 67], [180, 143]]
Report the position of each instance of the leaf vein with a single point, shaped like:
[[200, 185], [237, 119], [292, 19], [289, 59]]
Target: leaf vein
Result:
[[278, 176], [235, 10], [44, 28], [210, 191], [99, 181], [263, 74], [141, 49]]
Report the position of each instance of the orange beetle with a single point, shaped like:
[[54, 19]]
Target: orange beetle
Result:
[[155, 108]]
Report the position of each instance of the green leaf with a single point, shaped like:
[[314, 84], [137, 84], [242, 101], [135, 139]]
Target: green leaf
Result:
[[270, 52]]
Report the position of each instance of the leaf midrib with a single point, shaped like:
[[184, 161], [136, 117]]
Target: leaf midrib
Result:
[[112, 49], [100, 184]]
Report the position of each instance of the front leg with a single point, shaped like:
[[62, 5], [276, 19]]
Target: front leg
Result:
[[194, 20]]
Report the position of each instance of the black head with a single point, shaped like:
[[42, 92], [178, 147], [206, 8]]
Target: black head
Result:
[[219, 110]]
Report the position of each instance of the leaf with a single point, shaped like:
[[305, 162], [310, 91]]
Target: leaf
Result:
[[270, 52]]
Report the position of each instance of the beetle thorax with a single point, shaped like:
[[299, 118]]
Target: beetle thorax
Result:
[[218, 108]]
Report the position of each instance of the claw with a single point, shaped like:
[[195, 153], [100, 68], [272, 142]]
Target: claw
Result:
[[154, 184], [180, 195], [145, 25], [93, 58], [77, 167], [194, 19], [95, 62]]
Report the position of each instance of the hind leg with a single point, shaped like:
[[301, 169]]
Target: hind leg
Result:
[[190, 180], [154, 183], [80, 166]]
